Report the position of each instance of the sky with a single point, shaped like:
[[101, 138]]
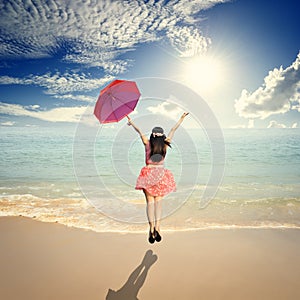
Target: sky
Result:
[[241, 56]]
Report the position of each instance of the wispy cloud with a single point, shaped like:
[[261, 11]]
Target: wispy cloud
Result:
[[279, 94], [59, 83], [7, 123], [84, 98], [188, 8], [187, 40], [33, 107], [60, 114], [96, 32]]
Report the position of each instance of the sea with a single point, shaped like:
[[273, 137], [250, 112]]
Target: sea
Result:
[[243, 178]]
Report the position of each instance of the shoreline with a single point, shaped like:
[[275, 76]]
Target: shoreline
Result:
[[51, 261], [208, 226]]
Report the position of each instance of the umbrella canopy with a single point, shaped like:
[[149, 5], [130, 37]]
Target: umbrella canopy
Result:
[[116, 101]]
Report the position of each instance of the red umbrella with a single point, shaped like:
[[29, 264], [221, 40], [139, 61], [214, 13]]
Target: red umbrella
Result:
[[116, 101]]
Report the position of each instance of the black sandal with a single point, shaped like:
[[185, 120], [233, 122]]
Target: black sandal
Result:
[[151, 238], [157, 235]]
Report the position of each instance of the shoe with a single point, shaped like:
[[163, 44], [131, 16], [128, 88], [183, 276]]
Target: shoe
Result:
[[151, 238], [157, 235]]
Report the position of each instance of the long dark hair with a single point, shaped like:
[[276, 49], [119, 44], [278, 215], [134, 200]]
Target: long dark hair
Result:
[[158, 144]]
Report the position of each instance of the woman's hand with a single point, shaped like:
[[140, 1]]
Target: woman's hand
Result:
[[129, 123], [171, 133], [184, 115]]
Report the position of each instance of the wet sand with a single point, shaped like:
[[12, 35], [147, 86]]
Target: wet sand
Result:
[[51, 261]]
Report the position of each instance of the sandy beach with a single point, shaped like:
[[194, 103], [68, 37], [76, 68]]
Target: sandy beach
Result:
[[51, 261]]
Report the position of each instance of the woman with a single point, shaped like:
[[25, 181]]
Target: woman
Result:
[[154, 179]]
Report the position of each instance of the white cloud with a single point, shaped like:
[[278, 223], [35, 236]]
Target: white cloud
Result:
[[31, 125], [279, 93], [190, 7], [96, 32], [250, 125], [89, 120], [60, 114], [8, 123], [187, 40], [296, 107], [33, 107], [59, 83], [166, 109], [238, 126], [172, 111], [275, 124], [84, 98]]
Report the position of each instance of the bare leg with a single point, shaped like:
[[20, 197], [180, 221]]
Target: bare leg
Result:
[[157, 211], [150, 209]]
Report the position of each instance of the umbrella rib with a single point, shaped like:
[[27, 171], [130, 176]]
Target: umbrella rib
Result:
[[117, 98], [112, 109], [120, 99], [124, 103]]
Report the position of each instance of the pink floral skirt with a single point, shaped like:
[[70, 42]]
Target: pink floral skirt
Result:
[[157, 181]]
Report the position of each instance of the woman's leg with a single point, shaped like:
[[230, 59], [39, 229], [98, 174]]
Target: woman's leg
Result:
[[157, 211], [150, 209]]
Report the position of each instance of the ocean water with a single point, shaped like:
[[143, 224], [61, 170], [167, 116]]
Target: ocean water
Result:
[[87, 180]]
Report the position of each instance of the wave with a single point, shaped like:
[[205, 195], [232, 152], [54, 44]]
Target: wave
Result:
[[77, 212]]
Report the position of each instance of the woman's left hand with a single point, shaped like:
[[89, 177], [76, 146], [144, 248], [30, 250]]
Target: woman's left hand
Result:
[[129, 121]]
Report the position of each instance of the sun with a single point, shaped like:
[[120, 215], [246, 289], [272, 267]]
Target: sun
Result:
[[204, 73]]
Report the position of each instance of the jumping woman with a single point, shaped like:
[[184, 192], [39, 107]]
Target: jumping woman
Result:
[[154, 179]]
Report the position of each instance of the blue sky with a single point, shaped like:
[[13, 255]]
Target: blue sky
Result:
[[241, 56]]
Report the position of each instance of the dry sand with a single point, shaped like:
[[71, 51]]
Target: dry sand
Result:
[[50, 261]]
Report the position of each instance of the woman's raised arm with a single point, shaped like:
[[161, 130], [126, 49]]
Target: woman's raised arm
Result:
[[143, 137], [172, 131]]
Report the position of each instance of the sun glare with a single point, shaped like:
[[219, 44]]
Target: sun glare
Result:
[[203, 73]]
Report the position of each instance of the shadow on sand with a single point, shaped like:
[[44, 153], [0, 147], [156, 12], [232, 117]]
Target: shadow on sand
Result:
[[135, 281]]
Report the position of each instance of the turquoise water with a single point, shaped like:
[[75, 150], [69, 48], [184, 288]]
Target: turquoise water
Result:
[[260, 187]]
